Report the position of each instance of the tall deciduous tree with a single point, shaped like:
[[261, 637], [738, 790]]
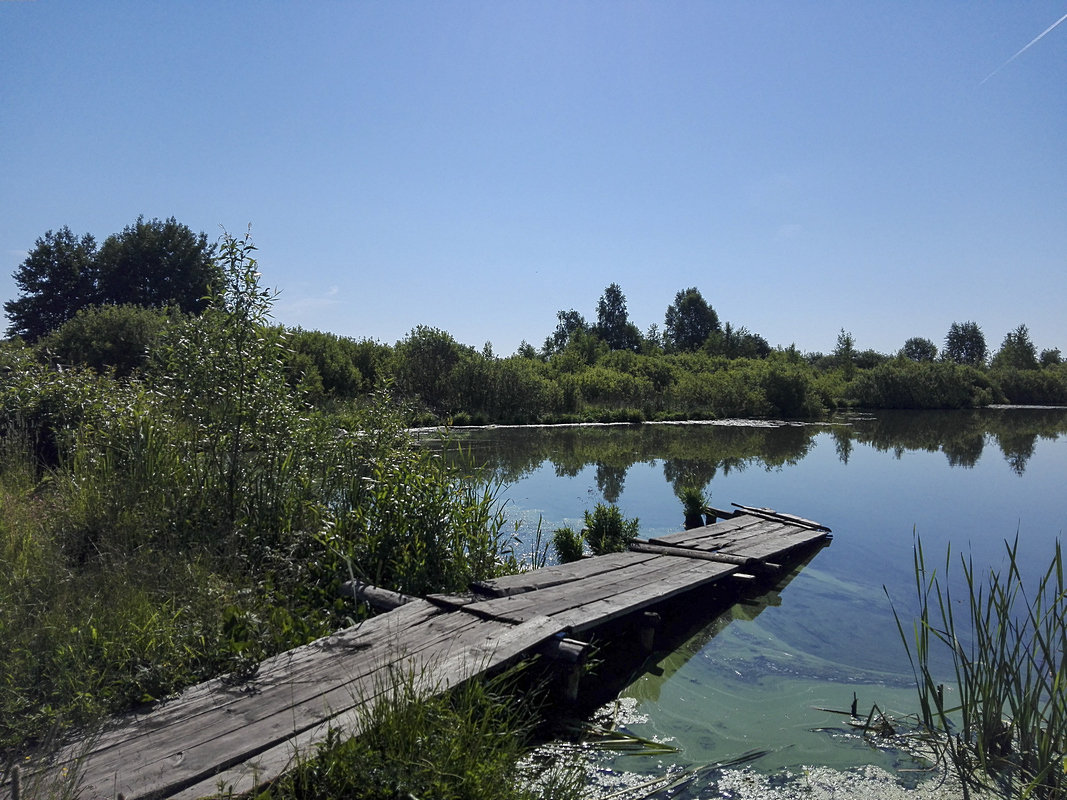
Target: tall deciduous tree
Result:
[[689, 321], [570, 324], [845, 354], [57, 279], [965, 344], [919, 349], [157, 263], [1017, 350], [1050, 357], [613, 322]]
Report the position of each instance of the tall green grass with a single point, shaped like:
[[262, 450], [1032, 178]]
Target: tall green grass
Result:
[[460, 745], [1008, 649], [190, 520]]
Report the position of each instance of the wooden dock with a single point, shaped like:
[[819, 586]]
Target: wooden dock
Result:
[[239, 736]]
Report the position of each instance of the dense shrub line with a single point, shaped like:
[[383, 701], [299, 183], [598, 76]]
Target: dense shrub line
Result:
[[583, 380]]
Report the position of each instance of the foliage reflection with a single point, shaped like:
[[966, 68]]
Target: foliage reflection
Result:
[[693, 454]]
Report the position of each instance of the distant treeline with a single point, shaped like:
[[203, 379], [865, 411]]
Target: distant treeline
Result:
[[582, 378], [106, 307]]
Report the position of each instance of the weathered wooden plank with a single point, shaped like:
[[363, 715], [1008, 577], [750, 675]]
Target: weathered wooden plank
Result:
[[369, 636], [552, 576], [498, 647], [239, 733], [782, 542], [792, 519], [162, 741], [757, 541], [581, 619], [645, 576], [715, 535], [680, 551], [366, 640]]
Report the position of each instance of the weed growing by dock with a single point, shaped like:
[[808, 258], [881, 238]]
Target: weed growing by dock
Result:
[[460, 745]]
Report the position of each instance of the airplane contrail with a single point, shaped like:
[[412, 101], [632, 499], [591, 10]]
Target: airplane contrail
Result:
[[1033, 41]]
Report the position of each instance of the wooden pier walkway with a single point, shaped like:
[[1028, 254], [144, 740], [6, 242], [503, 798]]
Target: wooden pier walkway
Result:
[[239, 736]]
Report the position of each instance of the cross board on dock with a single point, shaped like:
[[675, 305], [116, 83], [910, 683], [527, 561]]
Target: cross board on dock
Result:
[[237, 736]]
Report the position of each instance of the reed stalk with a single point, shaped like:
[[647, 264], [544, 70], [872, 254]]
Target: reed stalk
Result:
[[1006, 646]]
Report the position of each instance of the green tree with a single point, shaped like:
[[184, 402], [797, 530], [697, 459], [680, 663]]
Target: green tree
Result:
[[526, 350], [689, 321], [613, 322], [1050, 357], [919, 349], [965, 344], [425, 361], [325, 362], [157, 263], [570, 324], [737, 343], [57, 279], [1017, 351], [845, 354]]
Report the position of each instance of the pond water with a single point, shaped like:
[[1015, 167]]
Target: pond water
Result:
[[756, 677]]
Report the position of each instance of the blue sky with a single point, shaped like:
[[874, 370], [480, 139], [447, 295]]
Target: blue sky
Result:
[[478, 166]]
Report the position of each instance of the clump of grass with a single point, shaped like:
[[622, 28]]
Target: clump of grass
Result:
[[568, 544], [607, 531], [1008, 654], [693, 502], [461, 745]]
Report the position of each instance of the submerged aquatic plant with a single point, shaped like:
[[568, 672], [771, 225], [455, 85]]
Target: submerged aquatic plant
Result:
[[1008, 654]]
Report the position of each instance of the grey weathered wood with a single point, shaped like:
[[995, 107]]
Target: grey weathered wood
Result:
[[381, 599], [551, 576], [681, 551], [790, 518]]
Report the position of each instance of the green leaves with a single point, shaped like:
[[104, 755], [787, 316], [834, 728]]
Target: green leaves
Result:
[[607, 531], [156, 263]]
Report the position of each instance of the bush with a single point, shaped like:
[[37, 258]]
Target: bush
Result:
[[569, 546], [903, 383], [105, 338], [325, 363], [1031, 386], [607, 531]]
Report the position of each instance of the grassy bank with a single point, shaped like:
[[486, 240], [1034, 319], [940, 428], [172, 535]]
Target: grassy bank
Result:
[[190, 519]]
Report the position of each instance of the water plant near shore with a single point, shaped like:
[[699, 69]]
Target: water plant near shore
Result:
[[1008, 650], [607, 531], [693, 503]]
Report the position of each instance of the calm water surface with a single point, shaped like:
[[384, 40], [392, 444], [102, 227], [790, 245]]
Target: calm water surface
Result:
[[756, 677]]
